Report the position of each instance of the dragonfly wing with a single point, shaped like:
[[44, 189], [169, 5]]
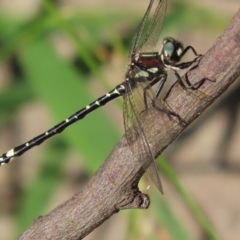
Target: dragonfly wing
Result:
[[150, 40], [152, 171], [136, 132], [139, 30], [147, 34]]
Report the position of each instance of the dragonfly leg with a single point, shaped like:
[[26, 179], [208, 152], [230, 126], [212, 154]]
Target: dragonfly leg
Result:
[[194, 86], [169, 113], [162, 109], [185, 65], [160, 86], [152, 83], [193, 50]]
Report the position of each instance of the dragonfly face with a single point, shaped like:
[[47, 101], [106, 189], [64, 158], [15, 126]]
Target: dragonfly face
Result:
[[172, 51]]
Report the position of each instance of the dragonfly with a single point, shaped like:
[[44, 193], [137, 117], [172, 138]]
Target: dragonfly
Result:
[[147, 67]]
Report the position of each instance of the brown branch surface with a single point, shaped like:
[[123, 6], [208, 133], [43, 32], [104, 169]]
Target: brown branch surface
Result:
[[114, 186]]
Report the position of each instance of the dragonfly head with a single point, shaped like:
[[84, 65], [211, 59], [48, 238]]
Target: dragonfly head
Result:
[[171, 51]]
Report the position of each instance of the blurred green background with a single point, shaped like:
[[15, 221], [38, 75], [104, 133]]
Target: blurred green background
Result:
[[58, 56]]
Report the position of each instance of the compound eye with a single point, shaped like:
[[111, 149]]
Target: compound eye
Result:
[[168, 49], [172, 50], [168, 39]]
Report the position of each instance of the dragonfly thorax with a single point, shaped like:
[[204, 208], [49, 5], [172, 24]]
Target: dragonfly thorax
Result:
[[172, 51], [147, 65]]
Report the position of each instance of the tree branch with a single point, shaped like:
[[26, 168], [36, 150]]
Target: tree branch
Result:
[[114, 186]]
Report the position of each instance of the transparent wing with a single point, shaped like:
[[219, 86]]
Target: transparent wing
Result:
[[151, 38], [147, 35], [136, 132], [139, 30]]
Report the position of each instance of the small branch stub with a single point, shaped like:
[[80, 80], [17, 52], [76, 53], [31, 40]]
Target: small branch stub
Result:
[[140, 201]]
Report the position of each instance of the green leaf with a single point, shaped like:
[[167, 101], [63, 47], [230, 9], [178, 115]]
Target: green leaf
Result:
[[166, 218], [12, 98], [65, 91]]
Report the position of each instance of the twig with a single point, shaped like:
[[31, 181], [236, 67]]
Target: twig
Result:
[[114, 186]]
